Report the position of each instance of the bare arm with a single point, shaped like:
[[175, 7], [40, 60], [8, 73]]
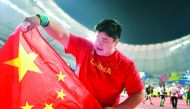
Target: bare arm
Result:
[[131, 102], [54, 29]]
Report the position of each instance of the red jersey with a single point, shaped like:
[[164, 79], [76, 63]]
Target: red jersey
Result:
[[104, 76]]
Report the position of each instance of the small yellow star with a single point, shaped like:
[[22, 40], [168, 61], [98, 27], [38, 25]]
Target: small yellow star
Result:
[[48, 106], [60, 76], [60, 94], [27, 106]]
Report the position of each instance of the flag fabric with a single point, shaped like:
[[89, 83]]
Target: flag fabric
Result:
[[34, 76]]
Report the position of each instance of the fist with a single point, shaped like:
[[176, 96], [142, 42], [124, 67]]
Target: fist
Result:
[[33, 21], [108, 108]]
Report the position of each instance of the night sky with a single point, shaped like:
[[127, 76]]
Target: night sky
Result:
[[144, 21]]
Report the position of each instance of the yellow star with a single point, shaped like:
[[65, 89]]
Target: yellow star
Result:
[[60, 76], [48, 106], [24, 62], [27, 106], [60, 94]]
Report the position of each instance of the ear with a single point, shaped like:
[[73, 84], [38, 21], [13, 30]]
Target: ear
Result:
[[116, 42]]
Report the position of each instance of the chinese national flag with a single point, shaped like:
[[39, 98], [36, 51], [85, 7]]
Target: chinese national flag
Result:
[[34, 76]]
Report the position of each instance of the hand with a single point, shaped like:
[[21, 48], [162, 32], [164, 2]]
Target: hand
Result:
[[108, 108], [34, 22]]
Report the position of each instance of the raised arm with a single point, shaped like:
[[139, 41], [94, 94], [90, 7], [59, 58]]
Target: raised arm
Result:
[[54, 29]]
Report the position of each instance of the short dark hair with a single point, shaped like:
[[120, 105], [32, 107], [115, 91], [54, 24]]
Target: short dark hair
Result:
[[111, 27]]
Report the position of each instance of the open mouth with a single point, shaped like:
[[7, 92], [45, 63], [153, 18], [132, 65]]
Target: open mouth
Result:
[[100, 49]]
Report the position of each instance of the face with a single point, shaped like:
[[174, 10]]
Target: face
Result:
[[104, 45]]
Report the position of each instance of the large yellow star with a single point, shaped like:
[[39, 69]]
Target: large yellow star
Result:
[[60, 76], [27, 106], [24, 62], [60, 94], [48, 106]]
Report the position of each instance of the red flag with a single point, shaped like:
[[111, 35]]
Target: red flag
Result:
[[34, 76]]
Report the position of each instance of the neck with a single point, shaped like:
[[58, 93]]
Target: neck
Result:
[[113, 50]]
